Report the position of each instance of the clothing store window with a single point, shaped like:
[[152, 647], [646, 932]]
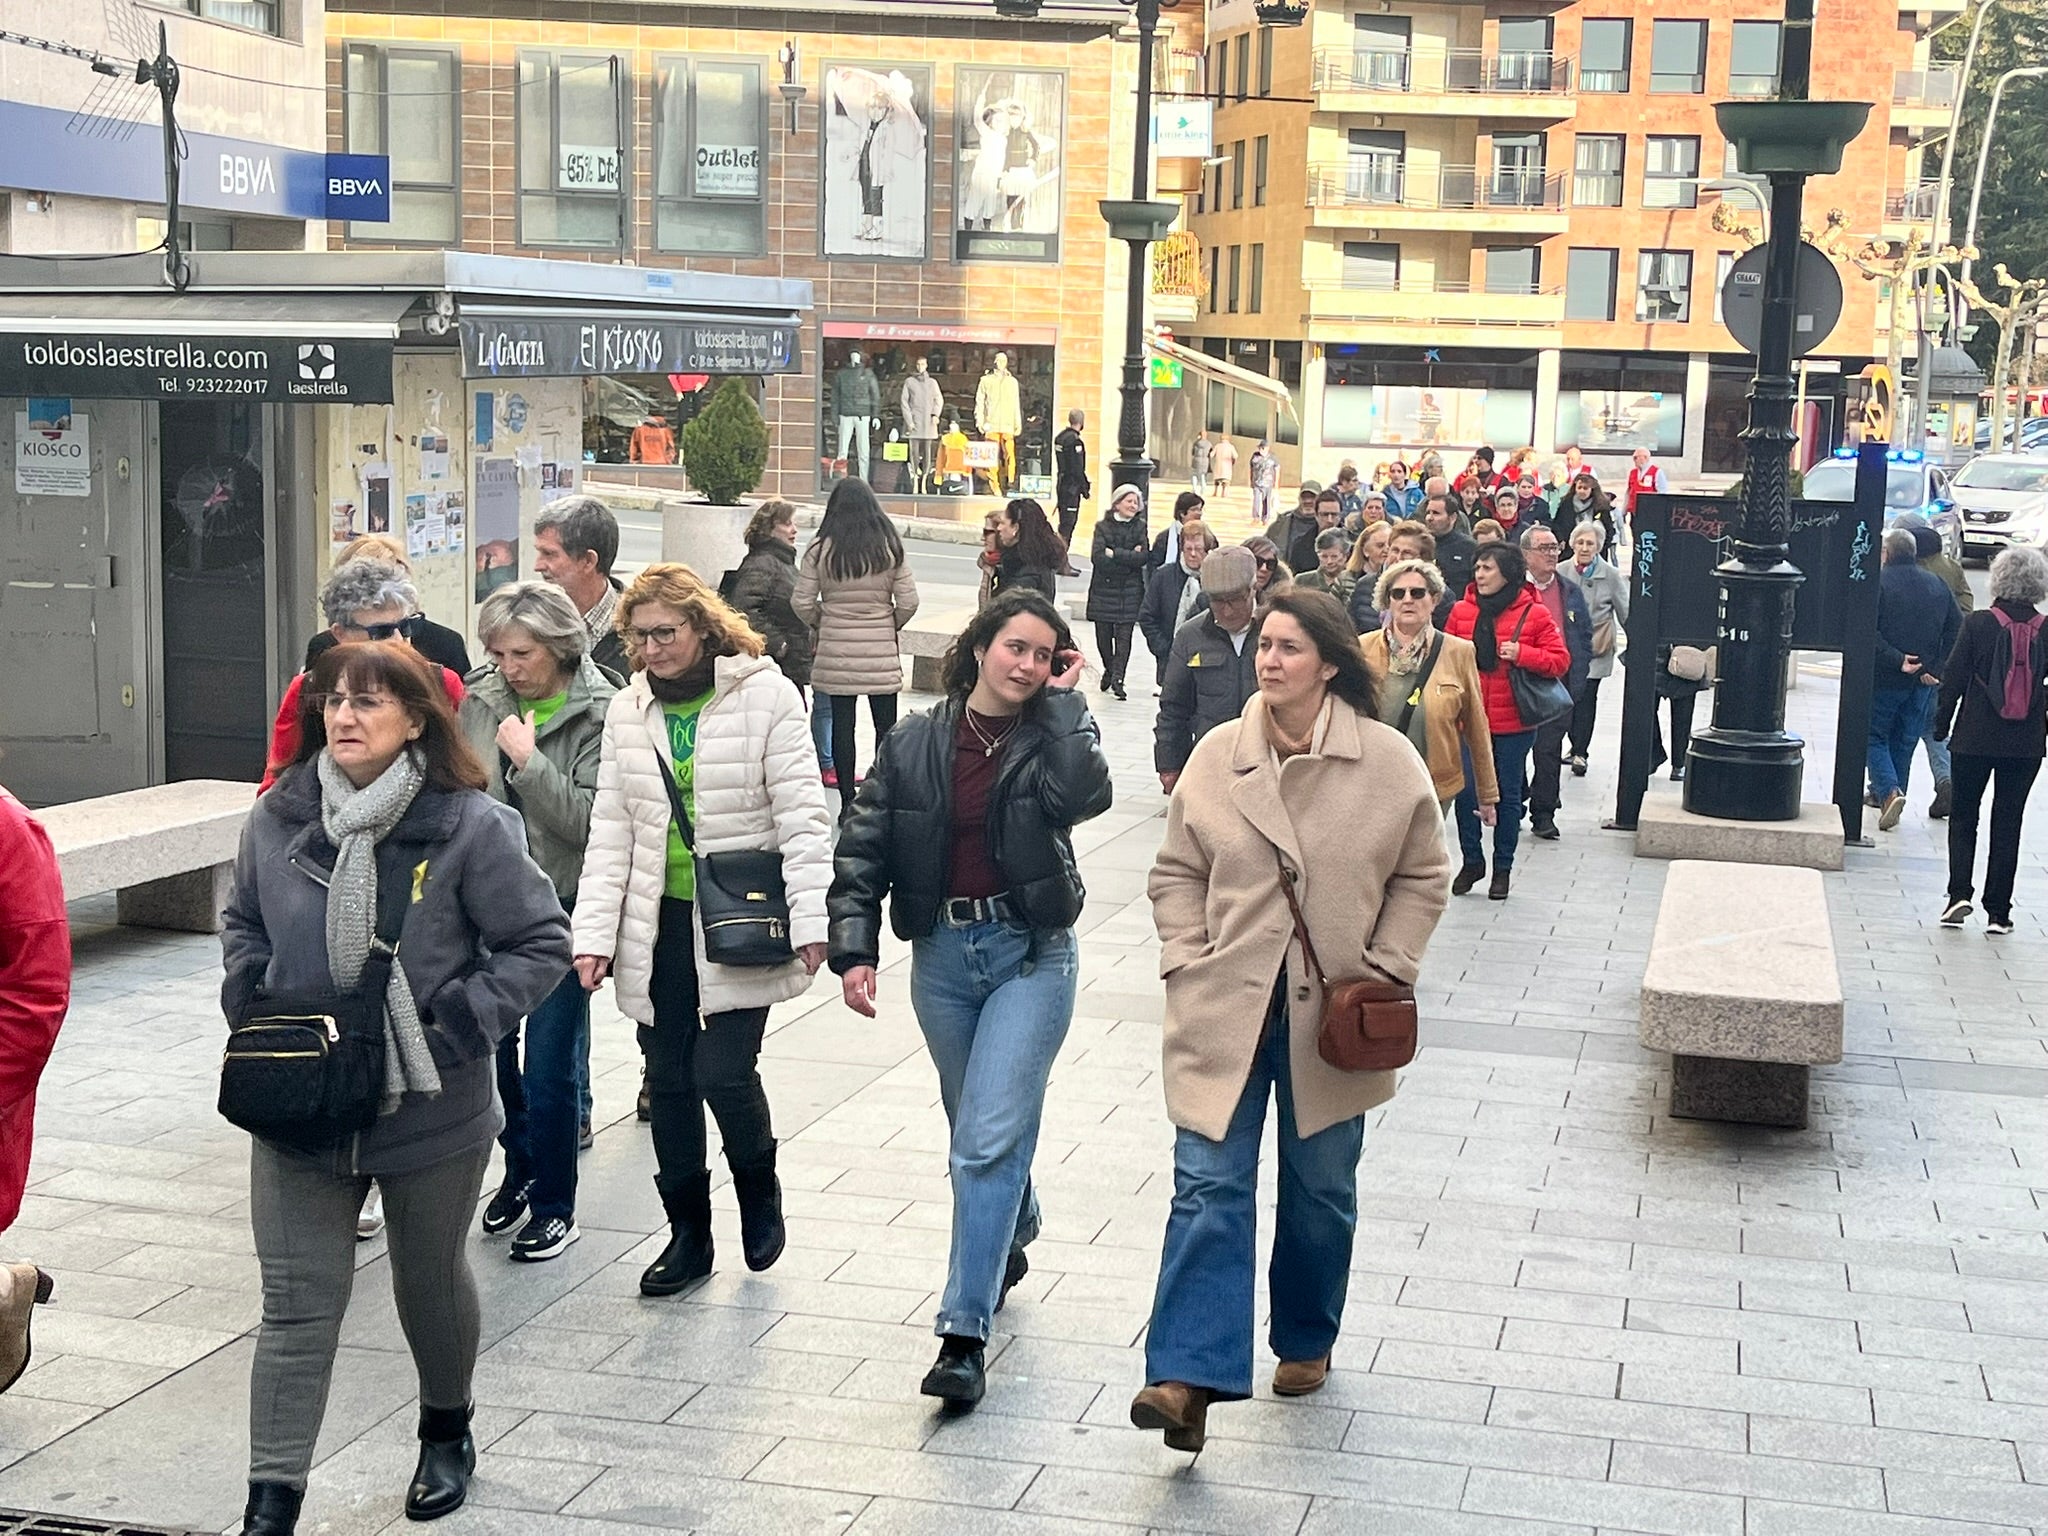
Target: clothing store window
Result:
[[938, 410], [710, 156], [404, 102], [1261, 155], [573, 147], [1217, 401], [638, 418], [1375, 397], [1287, 368]]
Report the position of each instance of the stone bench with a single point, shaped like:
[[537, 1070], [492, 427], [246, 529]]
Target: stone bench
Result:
[[168, 852], [926, 639], [1742, 989]]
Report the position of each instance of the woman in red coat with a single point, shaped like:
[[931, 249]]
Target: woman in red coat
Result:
[[1509, 628], [35, 989]]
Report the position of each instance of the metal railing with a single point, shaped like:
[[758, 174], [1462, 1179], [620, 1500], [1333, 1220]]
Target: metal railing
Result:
[[1910, 203], [1380, 184], [1925, 87], [1435, 301], [1444, 71]]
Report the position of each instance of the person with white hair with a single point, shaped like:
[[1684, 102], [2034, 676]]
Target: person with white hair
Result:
[[1992, 708]]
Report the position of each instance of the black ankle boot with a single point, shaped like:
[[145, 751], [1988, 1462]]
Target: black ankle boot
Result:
[[447, 1457], [958, 1375], [273, 1509], [687, 1258], [759, 1193]]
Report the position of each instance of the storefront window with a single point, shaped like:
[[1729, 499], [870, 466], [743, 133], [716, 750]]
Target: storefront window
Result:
[[710, 156], [1386, 401], [572, 147], [638, 418], [1608, 403], [937, 410]]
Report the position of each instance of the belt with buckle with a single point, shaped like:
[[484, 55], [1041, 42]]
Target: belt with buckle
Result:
[[965, 911]]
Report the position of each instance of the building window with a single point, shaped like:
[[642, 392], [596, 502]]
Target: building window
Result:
[[1722, 262], [1243, 78], [710, 156], [1753, 59], [1523, 51], [1265, 61], [1513, 269], [257, 15], [1671, 172], [1589, 278], [1236, 274], [1237, 174], [1374, 264], [1261, 154], [1604, 47], [1664, 286], [1215, 276], [638, 418], [1518, 172], [1597, 164], [1218, 57], [1216, 192], [572, 148], [1678, 58], [1257, 296], [404, 102]]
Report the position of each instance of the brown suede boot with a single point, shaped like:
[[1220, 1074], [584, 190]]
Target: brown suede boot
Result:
[[1298, 1378], [21, 1287], [1179, 1409]]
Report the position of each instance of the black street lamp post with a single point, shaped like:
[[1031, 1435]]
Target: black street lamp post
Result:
[[1747, 766]]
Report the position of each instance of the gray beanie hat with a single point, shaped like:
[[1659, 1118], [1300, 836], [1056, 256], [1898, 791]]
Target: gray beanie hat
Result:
[[1229, 572]]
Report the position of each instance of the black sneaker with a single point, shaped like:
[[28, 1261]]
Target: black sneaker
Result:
[[507, 1206], [1953, 914], [1578, 767], [957, 1375], [1467, 877], [1998, 925], [585, 1137], [1545, 829], [544, 1237], [1943, 802], [1015, 1268]]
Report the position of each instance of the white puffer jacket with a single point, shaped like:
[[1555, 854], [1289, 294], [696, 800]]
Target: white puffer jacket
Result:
[[756, 787]]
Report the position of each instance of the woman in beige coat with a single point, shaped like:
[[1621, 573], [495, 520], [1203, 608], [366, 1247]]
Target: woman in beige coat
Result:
[[1428, 683], [1244, 1008], [855, 589]]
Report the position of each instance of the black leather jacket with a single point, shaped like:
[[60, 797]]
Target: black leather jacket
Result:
[[898, 839]]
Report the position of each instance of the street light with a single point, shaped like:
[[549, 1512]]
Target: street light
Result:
[[1984, 158], [1924, 364], [1749, 189]]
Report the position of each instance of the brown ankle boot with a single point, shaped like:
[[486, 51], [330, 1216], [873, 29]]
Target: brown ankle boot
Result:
[[21, 1287], [1298, 1378], [1179, 1409]]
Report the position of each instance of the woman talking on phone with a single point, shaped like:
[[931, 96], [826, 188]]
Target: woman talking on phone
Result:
[[964, 822]]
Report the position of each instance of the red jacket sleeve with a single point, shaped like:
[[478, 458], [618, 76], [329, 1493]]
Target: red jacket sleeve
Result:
[[453, 684], [35, 952], [1543, 646], [284, 734]]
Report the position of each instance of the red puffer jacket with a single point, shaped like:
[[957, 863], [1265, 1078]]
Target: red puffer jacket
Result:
[[1543, 651], [35, 986]]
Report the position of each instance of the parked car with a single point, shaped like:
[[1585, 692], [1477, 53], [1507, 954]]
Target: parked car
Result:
[[1912, 484], [2033, 436], [2004, 500]]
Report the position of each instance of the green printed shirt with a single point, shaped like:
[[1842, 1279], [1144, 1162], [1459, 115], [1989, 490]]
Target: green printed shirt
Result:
[[681, 720]]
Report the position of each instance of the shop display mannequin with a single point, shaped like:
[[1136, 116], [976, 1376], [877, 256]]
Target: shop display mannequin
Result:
[[999, 416], [857, 402], [922, 403]]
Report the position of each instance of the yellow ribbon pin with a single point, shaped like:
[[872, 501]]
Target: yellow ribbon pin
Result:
[[419, 879]]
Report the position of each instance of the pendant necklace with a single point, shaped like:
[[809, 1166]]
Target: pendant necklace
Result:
[[989, 742]]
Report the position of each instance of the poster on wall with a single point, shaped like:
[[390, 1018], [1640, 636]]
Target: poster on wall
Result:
[[875, 189], [497, 525], [1011, 128], [1618, 421], [52, 450]]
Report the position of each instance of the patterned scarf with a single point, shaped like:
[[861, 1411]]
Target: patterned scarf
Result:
[[1404, 659], [356, 820]]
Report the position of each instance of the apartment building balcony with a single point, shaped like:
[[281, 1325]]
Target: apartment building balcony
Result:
[[1922, 99], [1447, 82], [1907, 208], [1433, 312], [1479, 199], [1177, 280]]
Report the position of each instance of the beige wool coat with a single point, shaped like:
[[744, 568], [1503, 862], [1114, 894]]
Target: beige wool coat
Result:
[[1358, 817], [857, 620]]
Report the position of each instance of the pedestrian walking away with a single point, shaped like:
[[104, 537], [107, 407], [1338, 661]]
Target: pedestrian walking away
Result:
[[1118, 559], [384, 800], [1917, 624], [1264, 470], [1934, 559], [964, 826], [534, 716], [1992, 709], [1250, 820], [1605, 590], [1222, 466], [706, 759], [855, 590], [1566, 605], [1428, 685], [1198, 465], [1209, 669]]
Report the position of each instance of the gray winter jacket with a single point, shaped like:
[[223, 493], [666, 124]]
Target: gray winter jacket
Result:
[[923, 405], [1207, 681], [553, 792], [484, 941]]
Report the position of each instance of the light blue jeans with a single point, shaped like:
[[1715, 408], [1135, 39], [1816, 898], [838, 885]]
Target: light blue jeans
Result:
[[1202, 1318], [994, 1003]]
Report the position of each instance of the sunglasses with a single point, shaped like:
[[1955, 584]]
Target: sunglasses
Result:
[[402, 627], [1397, 593]]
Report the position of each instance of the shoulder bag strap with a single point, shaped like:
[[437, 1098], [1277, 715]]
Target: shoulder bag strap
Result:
[[394, 899], [1436, 649], [1300, 924], [675, 796]]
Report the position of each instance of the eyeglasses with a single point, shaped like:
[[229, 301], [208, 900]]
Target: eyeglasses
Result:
[[405, 627], [1397, 593], [662, 636], [358, 703], [1544, 549], [1265, 564]]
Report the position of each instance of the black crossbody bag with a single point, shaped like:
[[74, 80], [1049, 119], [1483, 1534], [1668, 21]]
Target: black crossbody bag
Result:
[[742, 904], [307, 1068]]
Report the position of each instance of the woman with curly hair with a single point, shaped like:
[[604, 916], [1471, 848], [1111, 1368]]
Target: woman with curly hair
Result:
[[1029, 550]]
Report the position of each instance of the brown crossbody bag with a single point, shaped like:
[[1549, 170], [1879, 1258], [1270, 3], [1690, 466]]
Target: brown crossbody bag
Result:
[[1368, 1026]]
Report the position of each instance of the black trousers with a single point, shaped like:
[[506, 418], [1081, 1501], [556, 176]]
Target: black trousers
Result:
[[1070, 519], [1972, 775], [1681, 729], [1545, 779], [1114, 641], [689, 1066], [1585, 710], [881, 709]]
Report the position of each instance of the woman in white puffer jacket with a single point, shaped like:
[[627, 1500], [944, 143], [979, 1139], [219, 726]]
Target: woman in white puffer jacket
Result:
[[735, 738]]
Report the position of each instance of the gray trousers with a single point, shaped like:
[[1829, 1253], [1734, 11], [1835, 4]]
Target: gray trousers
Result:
[[304, 1218]]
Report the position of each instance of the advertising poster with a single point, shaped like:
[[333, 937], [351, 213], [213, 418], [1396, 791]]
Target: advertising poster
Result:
[[875, 185], [1011, 129], [416, 526], [1612, 421], [497, 524]]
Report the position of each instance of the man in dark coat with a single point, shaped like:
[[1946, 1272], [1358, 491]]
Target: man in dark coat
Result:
[[1070, 482], [1917, 621], [1455, 549], [1213, 666]]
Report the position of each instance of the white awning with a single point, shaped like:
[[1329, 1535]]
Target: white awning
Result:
[[1228, 373]]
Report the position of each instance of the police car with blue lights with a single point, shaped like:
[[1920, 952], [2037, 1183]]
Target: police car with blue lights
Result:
[[1911, 484]]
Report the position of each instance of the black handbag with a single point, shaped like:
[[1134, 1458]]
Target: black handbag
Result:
[[742, 905], [1538, 699], [306, 1069]]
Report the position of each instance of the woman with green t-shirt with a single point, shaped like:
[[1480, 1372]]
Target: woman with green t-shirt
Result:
[[709, 714]]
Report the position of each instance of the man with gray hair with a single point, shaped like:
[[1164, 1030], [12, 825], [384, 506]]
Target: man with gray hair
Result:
[[575, 542], [1917, 621], [1212, 668]]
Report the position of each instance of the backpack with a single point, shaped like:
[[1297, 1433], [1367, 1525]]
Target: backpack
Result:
[[2022, 675]]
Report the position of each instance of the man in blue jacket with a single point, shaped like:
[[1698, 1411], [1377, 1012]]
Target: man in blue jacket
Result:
[[1567, 606], [1917, 622]]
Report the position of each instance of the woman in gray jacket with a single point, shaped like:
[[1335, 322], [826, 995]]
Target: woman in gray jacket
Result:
[[535, 719], [1606, 592], [382, 792]]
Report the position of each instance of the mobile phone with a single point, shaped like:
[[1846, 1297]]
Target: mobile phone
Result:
[[1063, 661]]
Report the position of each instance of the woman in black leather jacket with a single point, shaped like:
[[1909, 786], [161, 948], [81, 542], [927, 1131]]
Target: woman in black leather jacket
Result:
[[963, 822]]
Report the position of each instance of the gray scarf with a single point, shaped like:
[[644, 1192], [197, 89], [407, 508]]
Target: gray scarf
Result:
[[356, 820]]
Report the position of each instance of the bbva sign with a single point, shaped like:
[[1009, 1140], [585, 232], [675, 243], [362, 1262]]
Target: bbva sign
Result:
[[359, 188]]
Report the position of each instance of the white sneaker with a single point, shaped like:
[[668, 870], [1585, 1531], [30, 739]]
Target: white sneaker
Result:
[[371, 1220]]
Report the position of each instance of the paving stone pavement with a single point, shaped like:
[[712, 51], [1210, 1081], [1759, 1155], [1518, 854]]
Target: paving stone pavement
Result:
[[1568, 1312]]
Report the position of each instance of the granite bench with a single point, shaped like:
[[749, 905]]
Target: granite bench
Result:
[[168, 852], [926, 639], [1742, 989]]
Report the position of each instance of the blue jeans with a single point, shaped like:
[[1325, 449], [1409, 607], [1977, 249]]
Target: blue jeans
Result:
[[541, 1109], [1938, 761], [1899, 717], [1510, 766], [821, 728], [994, 1003], [1202, 1318]]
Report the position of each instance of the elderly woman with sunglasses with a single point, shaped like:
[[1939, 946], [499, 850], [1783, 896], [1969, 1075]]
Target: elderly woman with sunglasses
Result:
[[1427, 684]]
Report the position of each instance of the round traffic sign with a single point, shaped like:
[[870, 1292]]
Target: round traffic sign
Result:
[[1816, 299]]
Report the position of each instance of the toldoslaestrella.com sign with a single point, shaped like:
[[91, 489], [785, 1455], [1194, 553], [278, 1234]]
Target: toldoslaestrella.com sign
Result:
[[311, 369]]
